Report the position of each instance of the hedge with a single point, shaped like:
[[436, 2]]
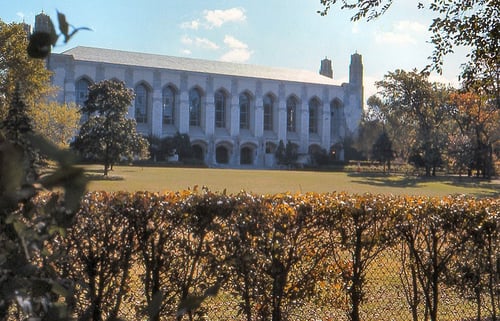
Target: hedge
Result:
[[197, 254]]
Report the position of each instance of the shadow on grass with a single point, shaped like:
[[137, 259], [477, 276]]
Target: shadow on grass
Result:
[[383, 180], [96, 175], [479, 187]]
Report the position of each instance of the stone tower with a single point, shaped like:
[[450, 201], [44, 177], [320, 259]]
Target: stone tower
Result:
[[356, 70], [326, 68]]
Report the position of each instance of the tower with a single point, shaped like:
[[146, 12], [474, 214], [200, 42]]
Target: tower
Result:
[[42, 23], [326, 68], [356, 70]]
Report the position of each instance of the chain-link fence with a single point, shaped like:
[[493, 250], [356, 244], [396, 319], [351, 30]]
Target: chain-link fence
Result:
[[385, 298]]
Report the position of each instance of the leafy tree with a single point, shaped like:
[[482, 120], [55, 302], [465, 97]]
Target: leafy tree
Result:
[[477, 119], [286, 155], [415, 103], [382, 150], [17, 68], [57, 122], [472, 24], [369, 129], [108, 136], [28, 224]]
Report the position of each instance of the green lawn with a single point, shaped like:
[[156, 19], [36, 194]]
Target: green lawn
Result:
[[158, 179]]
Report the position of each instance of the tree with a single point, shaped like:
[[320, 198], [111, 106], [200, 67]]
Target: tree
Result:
[[420, 105], [28, 226], [472, 24], [17, 68], [108, 136], [382, 150], [477, 120], [57, 122]]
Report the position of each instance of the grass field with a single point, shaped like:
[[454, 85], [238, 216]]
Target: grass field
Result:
[[158, 179]]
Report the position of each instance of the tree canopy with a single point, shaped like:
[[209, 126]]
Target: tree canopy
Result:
[[108, 136], [474, 24], [17, 68]]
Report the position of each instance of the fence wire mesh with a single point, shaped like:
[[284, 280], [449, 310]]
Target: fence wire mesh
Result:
[[385, 298]]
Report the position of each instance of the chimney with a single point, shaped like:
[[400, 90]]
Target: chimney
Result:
[[326, 68]]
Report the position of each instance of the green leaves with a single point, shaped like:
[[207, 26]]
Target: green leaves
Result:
[[109, 136]]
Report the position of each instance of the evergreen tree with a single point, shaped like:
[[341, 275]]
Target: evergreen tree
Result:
[[382, 150]]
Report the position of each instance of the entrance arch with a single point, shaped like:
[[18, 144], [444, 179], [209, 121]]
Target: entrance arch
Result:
[[246, 156], [198, 152], [221, 155]]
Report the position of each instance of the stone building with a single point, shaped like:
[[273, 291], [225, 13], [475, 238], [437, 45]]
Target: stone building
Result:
[[234, 114]]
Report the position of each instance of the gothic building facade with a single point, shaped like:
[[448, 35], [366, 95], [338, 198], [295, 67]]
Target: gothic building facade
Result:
[[234, 114]]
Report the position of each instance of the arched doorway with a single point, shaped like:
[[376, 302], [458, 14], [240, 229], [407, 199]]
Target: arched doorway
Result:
[[198, 152], [221, 155], [246, 156]]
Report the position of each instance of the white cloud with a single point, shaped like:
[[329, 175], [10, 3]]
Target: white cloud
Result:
[[205, 43], [186, 52], [237, 55], [394, 38], [194, 25], [186, 40], [234, 43], [20, 15], [355, 27], [403, 32], [216, 18], [238, 50]]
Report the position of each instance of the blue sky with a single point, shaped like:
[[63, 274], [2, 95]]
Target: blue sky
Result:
[[280, 33]]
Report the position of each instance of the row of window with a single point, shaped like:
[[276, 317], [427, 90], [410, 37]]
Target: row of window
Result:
[[169, 103]]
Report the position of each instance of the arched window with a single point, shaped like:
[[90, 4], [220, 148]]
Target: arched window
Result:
[[244, 111], [141, 104], [291, 114], [194, 107], [168, 105], [313, 116], [81, 91], [335, 117], [268, 112], [220, 109]]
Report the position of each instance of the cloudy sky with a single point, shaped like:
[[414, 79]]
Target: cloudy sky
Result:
[[280, 33]]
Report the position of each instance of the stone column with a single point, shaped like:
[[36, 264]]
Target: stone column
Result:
[[258, 118], [183, 125], [157, 112], [234, 111], [209, 119], [304, 122], [282, 114], [326, 121]]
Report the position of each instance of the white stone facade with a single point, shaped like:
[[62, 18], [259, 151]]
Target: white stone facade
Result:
[[234, 114]]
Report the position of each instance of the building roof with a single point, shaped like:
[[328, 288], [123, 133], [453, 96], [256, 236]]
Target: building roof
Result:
[[195, 65]]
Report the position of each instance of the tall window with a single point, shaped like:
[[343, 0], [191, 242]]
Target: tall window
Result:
[[141, 104], [291, 114], [168, 104], [268, 112], [313, 116], [244, 111], [335, 117], [194, 107], [81, 91], [220, 109]]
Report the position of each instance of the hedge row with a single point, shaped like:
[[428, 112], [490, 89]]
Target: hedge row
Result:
[[148, 256]]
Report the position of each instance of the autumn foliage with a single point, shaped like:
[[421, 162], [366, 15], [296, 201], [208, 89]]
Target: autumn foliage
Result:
[[150, 256]]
